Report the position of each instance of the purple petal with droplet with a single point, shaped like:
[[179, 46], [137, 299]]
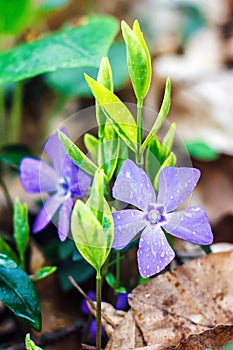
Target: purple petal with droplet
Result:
[[133, 186], [154, 252], [46, 213], [175, 185], [191, 225], [127, 224], [56, 152], [37, 176], [64, 219]]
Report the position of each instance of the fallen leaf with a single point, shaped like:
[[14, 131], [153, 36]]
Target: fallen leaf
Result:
[[193, 304]]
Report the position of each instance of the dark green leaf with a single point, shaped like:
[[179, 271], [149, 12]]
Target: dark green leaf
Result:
[[201, 150], [18, 293], [43, 273], [76, 47], [71, 82], [13, 154], [15, 15]]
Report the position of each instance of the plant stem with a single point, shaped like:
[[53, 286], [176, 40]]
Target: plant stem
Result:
[[98, 310], [16, 112], [118, 274], [139, 159]]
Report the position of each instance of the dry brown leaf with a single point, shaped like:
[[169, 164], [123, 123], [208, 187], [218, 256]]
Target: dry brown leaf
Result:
[[110, 317], [192, 303], [127, 337]]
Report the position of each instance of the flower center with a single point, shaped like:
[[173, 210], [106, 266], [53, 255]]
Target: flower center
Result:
[[154, 216], [64, 185]]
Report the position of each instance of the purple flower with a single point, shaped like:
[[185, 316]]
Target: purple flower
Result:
[[63, 179], [175, 185]]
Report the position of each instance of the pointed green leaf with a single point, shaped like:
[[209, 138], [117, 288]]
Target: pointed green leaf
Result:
[[111, 149], [104, 78], [92, 145], [116, 111], [43, 273], [164, 110], [77, 156], [76, 47], [105, 74], [93, 239], [169, 138], [96, 199], [138, 59], [30, 345], [18, 293], [21, 229]]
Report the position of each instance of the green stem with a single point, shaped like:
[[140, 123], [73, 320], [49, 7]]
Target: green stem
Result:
[[2, 116], [139, 159], [98, 310], [118, 274], [16, 112]]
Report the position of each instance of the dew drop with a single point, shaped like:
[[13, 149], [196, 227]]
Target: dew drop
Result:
[[162, 254], [193, 232]]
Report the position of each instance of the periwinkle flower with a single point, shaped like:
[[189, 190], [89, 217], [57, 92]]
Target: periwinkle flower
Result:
[[63, 179], [154, 215]]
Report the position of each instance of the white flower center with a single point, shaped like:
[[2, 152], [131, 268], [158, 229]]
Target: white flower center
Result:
[[154, 216]]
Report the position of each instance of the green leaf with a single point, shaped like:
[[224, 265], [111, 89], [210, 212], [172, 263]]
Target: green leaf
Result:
[[21, 229], [96, 199], [116, 111], [92, 238], [110, 279], [13, 154], [7, 250], [104, 78], [18, 293], [76, 47], [43, 273], [77, 156], [92, 144], [30, 345], [164, 110], [14, 15], [70, 82], [138, 59], [201, 150], [169, 139], [111, 149]]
